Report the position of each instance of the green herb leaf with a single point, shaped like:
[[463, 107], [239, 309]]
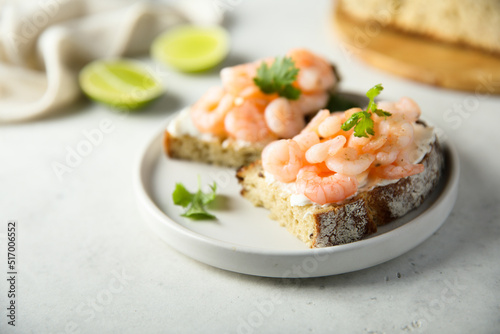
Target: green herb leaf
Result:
[[197, 210], [290, 92], [361, 121], [382, 113], [364, 126], [352, 121], [210, 197], [181, 196], [196, 202], [278, 78], [372, 93]]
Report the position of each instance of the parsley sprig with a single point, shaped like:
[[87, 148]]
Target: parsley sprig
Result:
[[362, 120], [278, 78], [194, 202]]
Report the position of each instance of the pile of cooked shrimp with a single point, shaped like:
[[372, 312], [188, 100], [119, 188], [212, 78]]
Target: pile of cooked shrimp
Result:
[[328, 164], [240, 110]]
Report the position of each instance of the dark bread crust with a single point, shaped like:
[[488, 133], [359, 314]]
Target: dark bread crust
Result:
[[351, 220], [395, 200]]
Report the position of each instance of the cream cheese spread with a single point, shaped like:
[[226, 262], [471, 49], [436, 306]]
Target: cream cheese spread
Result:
[[182, 125]]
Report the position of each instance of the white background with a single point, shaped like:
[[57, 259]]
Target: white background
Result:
[[89, 264]]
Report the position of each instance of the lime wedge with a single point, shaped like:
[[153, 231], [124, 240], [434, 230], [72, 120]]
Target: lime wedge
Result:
[[120, 83], [191, 48]]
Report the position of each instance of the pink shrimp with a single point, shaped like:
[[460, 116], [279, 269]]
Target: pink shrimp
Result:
[[311, 102], [357, 142], [322, 188], [387, 106], [320, 152], [348, 162], [410, 109], [374, 144], [306, 140], [408, 155], [246, 122], [400, 133], [283, 119], [314, 123], [402, 136], [331, 125], [283, 159], [394, 172], [386, 155], [236, 78], [209, 112], [316, 73], [405, 109], [401, 167]]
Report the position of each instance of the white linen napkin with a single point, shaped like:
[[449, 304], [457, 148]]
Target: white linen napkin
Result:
[[43, 44]]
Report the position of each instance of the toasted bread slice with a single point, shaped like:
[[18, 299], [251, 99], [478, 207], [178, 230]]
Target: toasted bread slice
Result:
[[217, 151], [351, 220]]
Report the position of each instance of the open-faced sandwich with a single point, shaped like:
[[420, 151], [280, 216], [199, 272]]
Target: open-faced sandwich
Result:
[[347, 172], [258, 103]]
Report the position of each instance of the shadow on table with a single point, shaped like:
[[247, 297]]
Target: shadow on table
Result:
[[76, 108], [165, 105]]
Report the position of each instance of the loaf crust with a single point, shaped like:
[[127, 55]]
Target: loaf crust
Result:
[[468, 22], [356, 217]]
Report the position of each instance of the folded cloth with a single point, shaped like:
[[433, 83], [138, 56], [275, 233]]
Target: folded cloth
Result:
[[45, 43]]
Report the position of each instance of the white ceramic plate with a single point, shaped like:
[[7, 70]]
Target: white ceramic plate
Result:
[[245, 240]]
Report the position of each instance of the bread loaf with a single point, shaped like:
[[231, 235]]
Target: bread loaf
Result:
[[475, 23]]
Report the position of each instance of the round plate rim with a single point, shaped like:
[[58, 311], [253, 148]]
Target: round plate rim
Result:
[[152, 211]]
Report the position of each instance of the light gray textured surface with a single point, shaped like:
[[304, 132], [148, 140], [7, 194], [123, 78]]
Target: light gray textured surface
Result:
[[88, 264]]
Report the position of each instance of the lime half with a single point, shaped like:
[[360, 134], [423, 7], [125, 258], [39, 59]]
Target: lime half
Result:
[[191, 48], [120, 83]]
